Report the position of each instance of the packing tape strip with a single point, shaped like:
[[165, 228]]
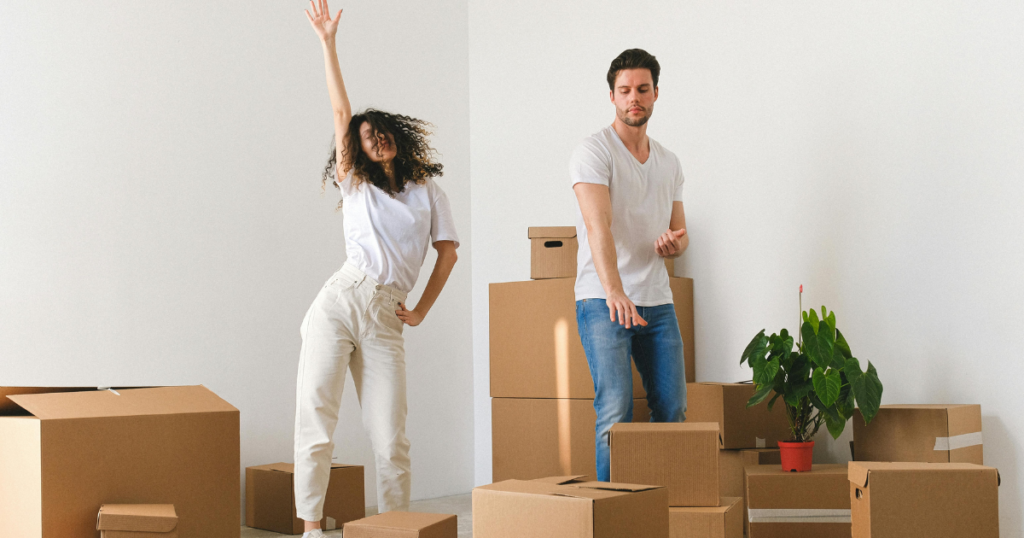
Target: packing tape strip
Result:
[[800, 515], [958, 441]]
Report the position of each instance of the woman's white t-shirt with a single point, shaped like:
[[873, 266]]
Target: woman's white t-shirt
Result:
[[387, 238], [642, 195]]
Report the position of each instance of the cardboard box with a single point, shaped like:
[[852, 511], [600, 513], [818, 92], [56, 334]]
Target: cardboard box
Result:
[[137, 521], [811, 504], [924, 433], [553, 252], [535, 345], [518, 508], [270, 497], [64, 454], [533, 438], [723, 521], [926, 500], [681, 456], [731, 478], [404, 525], [741, 427]]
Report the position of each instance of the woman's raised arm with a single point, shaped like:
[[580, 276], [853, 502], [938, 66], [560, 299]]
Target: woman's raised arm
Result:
[[326, 28]]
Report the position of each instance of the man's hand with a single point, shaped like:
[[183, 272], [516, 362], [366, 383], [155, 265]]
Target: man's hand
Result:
[[411, 318], [619, 304], [670, 243]]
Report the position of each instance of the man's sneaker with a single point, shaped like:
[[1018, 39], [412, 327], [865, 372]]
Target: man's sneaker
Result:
[[314, 534]]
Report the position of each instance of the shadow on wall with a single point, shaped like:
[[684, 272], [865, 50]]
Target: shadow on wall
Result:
[[999, 440]]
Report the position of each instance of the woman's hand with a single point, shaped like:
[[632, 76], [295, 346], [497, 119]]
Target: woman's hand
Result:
[[411, 318], [324, 26]]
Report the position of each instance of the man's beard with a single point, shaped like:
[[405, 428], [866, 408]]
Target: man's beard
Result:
[[624, 117]]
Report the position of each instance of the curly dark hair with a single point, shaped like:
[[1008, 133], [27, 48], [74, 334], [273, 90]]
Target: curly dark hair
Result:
[[414, 158]]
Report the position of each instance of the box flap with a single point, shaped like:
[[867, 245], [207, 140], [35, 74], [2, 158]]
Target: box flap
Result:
[[560, 480], [9, 407], [409, 521], [137, 517], [133, 402], [613, 486], [858, 474], [540, 232]]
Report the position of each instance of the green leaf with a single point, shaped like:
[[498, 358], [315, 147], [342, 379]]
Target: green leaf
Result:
[[756, 346], [833, 385], [811, 347], [842, 346], [812, 318], [831, 319], [762, 392], [867, 388], [801, 369], [835, 425], [818, 379], [767, 372], [771, 403]]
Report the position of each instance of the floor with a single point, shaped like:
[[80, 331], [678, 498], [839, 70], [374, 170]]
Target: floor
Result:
[[460, 505]]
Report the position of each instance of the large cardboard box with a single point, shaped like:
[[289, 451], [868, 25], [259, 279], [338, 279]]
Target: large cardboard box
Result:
[[534, 438], [811, 504], [535, 345], [924, 433], [137, 521], [723, 521], [270, 497], [65, 454], [681, 456], [404, 525], [732, 479], [569, 509], [741, 427], [923, 500], [553, 252]]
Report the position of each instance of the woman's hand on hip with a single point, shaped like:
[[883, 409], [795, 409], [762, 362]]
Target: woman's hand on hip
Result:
[[324, 26], [411, 318]]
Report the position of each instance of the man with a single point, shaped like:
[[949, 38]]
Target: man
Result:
[[629, 192]]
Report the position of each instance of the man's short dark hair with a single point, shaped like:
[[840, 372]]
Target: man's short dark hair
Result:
[[633, 59]]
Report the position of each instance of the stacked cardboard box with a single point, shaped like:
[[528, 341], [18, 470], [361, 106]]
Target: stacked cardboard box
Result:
[[921, 433], [684, 458], [567, 508], [746, 432], [933, 500], [811, 504], [270, 497], [542, 393]]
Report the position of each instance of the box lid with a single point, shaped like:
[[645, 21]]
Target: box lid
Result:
[[137, 517], [560, 480], [860, 472], [543, 232], [132, 402], [401, 520], [8, 407], [290, 467]]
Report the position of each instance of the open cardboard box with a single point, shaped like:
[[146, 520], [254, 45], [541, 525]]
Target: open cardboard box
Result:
[[567, 508], [66, 452], [683, 457]]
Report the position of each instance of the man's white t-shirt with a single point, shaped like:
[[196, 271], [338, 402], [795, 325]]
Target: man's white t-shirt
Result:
[[387, 238], [642, 196]]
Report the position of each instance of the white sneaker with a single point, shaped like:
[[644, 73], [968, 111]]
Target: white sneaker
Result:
[[314, 534]]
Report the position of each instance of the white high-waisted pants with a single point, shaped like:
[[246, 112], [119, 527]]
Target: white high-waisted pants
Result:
[[351, 325]]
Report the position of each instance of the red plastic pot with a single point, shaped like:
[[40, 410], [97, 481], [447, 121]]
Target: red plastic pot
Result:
[[796, 456]]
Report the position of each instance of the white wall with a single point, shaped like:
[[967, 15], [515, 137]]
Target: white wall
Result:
[[160, 212], [872, 152]]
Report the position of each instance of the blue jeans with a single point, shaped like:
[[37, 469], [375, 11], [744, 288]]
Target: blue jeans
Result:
[[657, 350]]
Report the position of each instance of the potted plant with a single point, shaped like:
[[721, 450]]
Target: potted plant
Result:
[[818, 379]]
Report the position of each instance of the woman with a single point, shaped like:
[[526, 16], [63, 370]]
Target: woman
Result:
[[383, 166]]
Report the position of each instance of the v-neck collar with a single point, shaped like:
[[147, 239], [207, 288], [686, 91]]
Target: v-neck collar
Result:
[[650, 150]]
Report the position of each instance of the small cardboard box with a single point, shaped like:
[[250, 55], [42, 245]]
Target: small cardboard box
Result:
[[731, 478], [924, 433], [535, 348], [569, 509], [270, 497], [723, 521], [681, 456], [404, 525], [553, 252], [923, 500], [741, 427], [137, 521], [534, 438], [811, 504], [64, 454]]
